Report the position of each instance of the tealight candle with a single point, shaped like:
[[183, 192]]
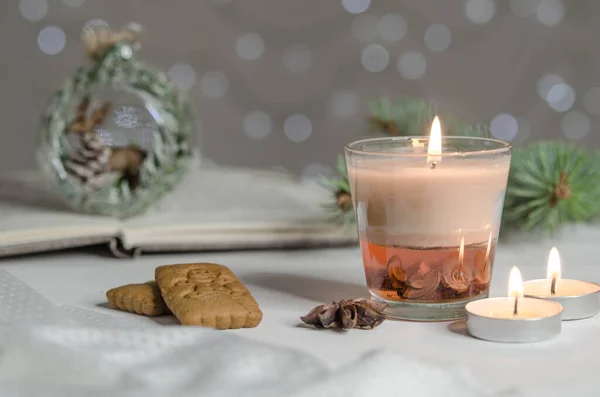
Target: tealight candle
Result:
[[580, 299], [514, 318]]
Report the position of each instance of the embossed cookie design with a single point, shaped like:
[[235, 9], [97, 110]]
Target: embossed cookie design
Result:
[[207, 294]]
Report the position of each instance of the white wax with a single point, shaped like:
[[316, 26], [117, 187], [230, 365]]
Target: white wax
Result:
[[564, 287], [503, 308], [435, 207]]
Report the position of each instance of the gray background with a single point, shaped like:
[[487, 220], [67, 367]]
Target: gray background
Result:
[[285, 83]]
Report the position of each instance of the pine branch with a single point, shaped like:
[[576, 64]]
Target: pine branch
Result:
[[551, 184], [339, 185], [413, 117]]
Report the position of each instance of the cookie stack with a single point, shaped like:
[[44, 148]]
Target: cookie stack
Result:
[[202, 294]]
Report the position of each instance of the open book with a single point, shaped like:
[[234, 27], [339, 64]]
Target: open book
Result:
[[212, 209]]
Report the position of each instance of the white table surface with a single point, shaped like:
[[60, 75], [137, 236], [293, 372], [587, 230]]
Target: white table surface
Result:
[[287, 284]]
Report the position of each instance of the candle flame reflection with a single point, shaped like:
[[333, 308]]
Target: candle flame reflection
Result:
[[489, 247], [461, 251], [515, 283], [434, 149]]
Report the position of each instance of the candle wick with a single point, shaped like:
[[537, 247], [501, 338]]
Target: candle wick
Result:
[[553, 285], [433, 165], [515, 311]]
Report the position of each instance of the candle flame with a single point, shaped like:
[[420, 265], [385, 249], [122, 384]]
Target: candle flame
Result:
[[553, 264], [434, 149], [461, 251], [553, 272], [515, 283]]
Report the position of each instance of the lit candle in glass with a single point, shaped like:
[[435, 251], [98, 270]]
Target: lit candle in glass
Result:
[[515, 318], [580, 299], [428, 212]]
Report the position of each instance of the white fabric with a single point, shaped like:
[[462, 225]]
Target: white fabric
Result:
[[55, 360], [48, 351]]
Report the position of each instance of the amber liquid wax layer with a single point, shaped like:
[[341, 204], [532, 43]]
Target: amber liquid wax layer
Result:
[[428, 275]]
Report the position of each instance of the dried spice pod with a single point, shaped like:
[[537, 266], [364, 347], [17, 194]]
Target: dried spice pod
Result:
[[379, 278], [346, 314], [322, 316], [386, 285], [422, 281], [396, 274], [422, 285], [369, 315], [457, 277], [445, 292]]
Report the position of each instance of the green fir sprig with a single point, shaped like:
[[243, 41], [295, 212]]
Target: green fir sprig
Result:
[[551, 184], [413, 117], [341, 208]]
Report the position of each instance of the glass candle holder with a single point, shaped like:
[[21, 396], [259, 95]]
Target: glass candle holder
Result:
[[428, 224]]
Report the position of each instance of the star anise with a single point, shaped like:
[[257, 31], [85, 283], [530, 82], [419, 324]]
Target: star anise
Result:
[[422, 282], [347, 314], [457, 277], [395, 271]]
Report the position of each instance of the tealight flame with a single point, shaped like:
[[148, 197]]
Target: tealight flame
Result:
[[515, 287], [434, 149], [553, 272], [515, 283]]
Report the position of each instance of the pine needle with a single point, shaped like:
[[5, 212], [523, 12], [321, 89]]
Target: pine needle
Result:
[[536, 172]]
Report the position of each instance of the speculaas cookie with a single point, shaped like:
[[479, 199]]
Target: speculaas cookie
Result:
[[138, 298], [207, 294]]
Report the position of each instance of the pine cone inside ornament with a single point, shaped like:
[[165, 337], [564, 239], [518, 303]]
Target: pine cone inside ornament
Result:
[[346, 314], [119, 165], [95, 164], [88, 163]]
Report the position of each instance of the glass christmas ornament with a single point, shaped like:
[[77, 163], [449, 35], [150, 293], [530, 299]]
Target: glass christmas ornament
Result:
[[118, 135]]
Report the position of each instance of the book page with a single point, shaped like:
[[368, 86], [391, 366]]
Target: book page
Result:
[[30, 214], [243, 203]]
